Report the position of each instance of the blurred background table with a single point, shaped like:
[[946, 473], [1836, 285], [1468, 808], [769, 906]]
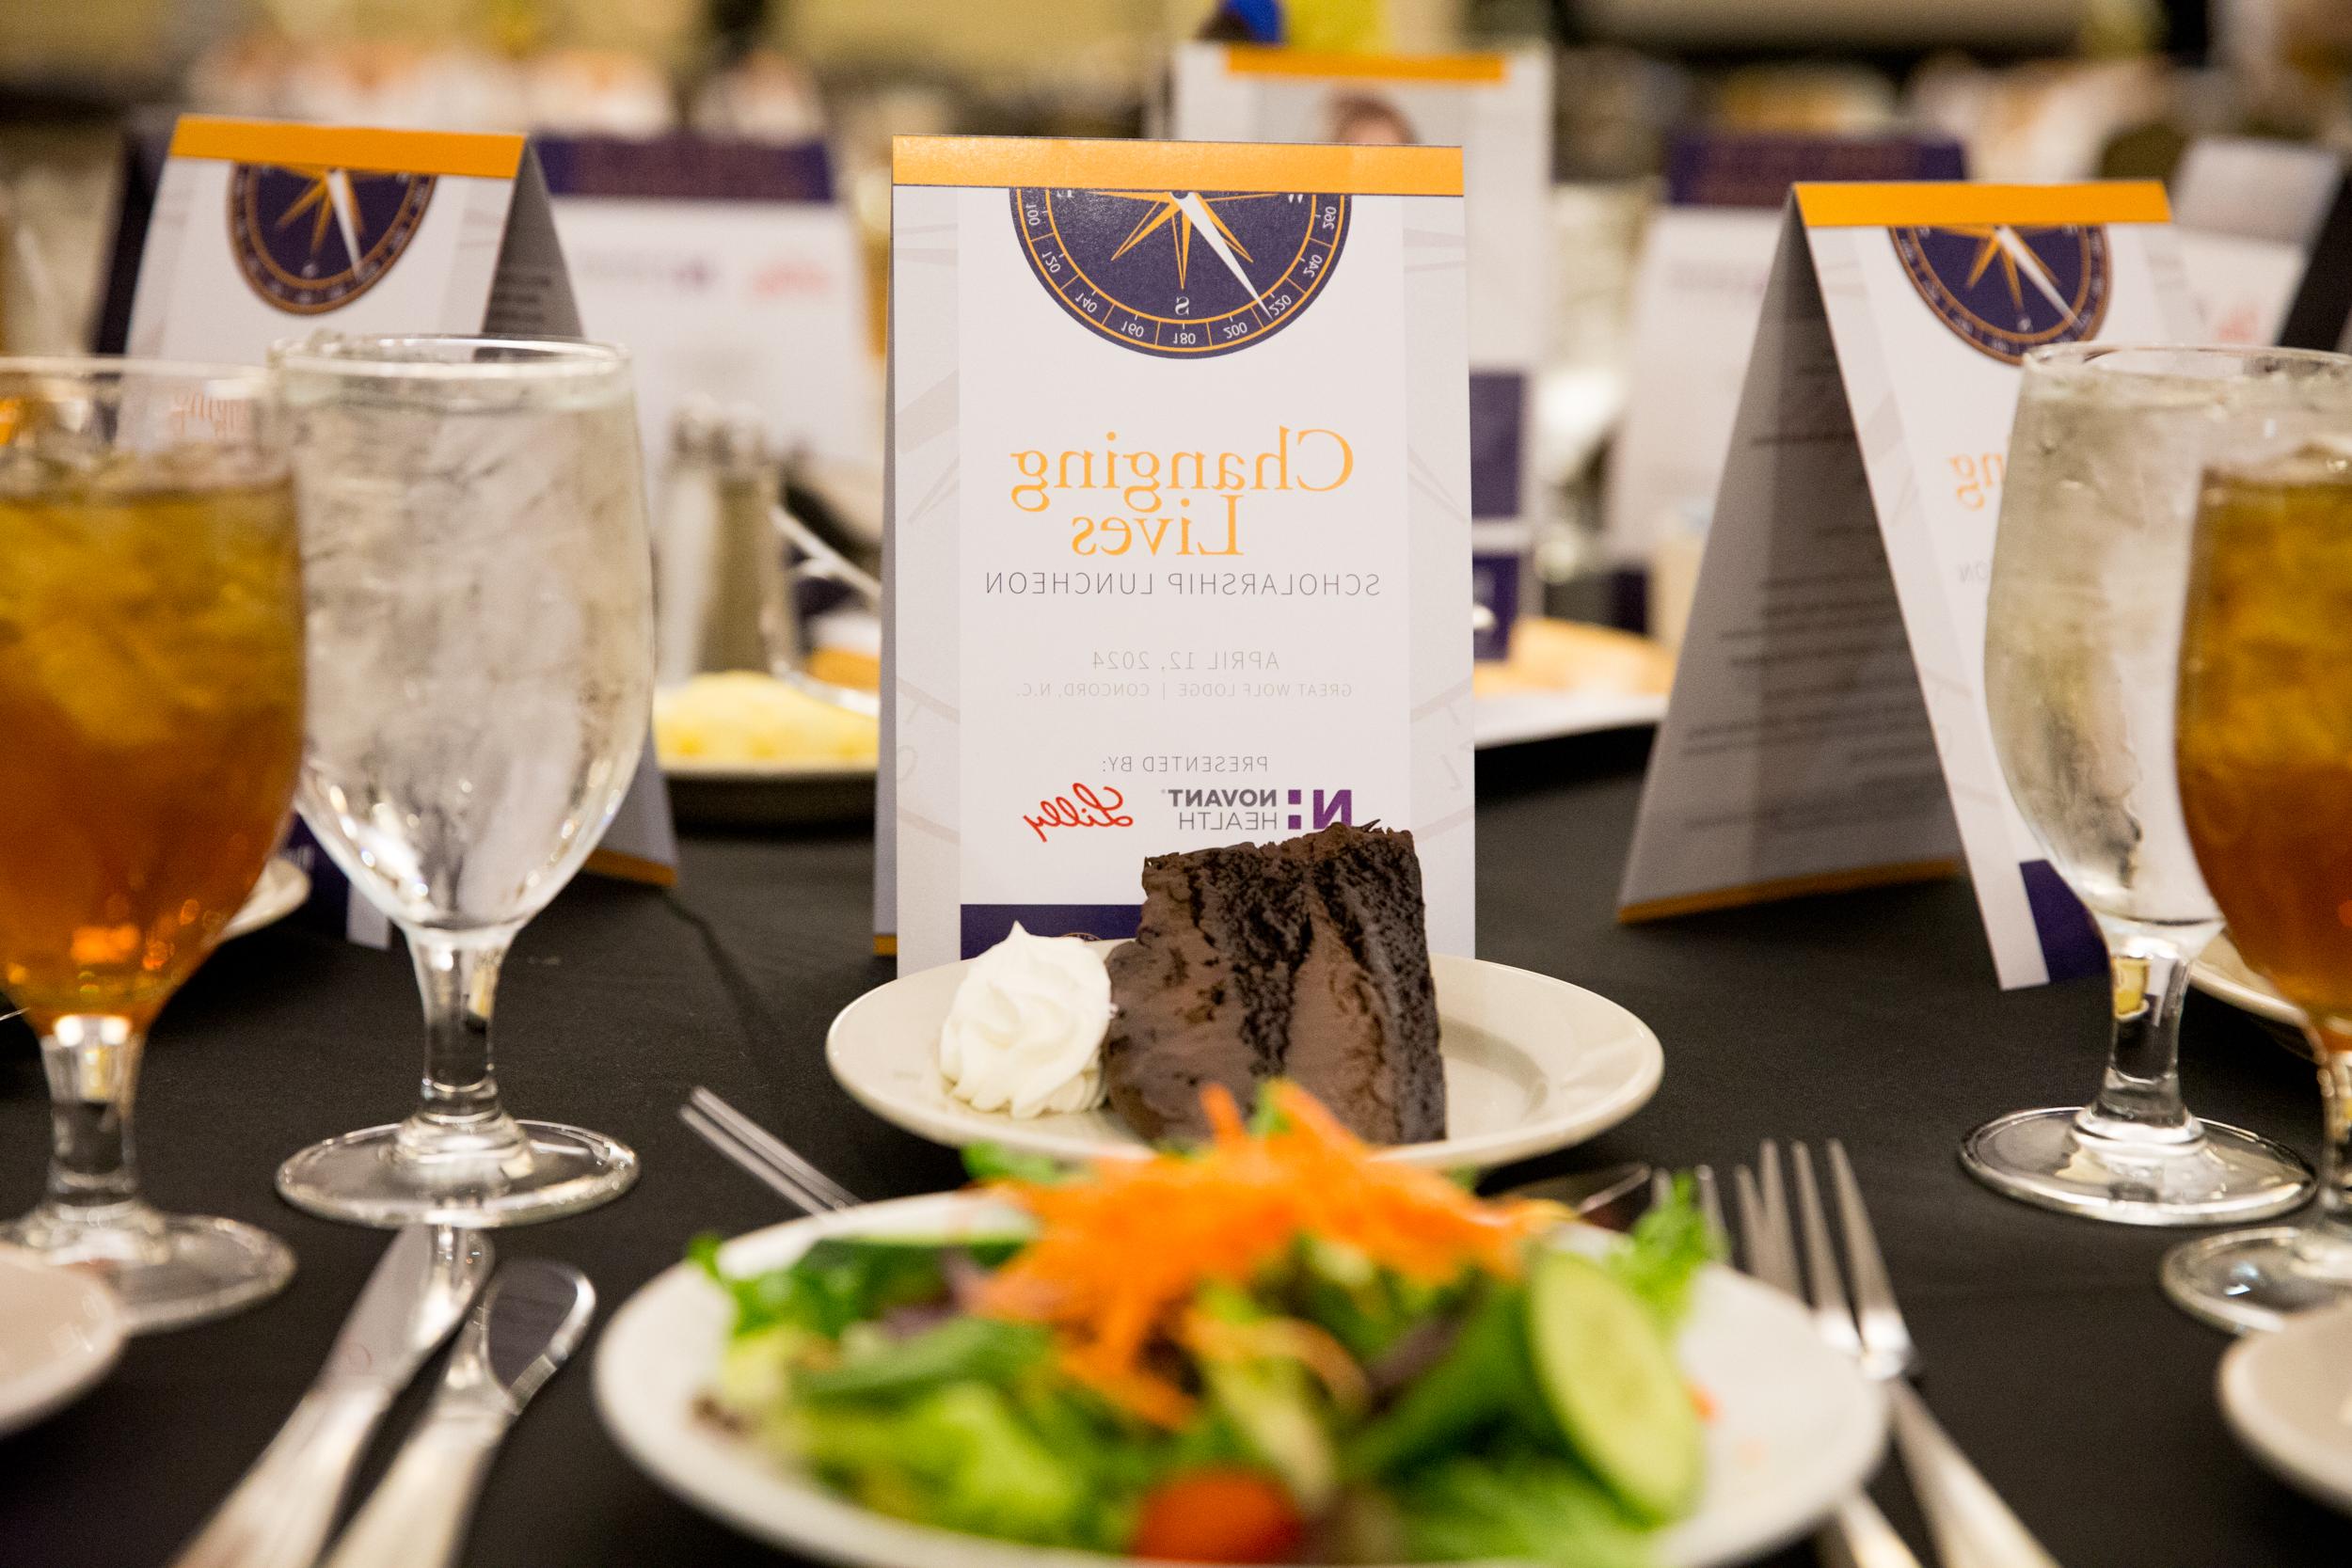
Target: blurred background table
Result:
[[1873, 1016]]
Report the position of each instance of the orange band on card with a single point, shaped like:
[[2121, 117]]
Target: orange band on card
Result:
[[1252, 59], [1193, 166], [1786, 887], [1903, 205], [633, 868], [263, 141]]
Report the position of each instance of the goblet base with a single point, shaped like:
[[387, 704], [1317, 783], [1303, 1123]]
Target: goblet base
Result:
[[2252, 1280], [381, 1177], [2218, 1176], [169, 1270]]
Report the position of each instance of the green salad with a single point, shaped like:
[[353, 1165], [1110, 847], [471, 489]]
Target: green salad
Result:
[[1274, 1349]]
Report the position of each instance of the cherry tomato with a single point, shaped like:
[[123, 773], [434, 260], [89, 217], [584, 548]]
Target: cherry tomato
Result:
[[1223, 1516]]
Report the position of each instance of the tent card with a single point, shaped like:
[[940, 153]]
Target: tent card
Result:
[[264, 231], [1828, 726], [1180, 521], [2246, 209], [2320, 315], [736, 280], [1497, 109], [1706, 256], [730, 274]]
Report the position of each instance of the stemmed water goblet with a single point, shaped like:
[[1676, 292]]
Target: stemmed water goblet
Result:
[[482, 668], [2081, 643]]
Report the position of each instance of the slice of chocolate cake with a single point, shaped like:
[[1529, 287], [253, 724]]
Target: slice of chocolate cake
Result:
[[1307, 959]]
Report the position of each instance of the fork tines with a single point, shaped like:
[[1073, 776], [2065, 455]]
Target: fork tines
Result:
[[1869, 1324]]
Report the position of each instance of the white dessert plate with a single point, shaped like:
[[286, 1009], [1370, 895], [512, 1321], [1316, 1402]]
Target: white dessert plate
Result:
[[60, 1331], [772, 794], [284, 888], [2220, 972], [1796, 1426], [1531, 1065], [773, 771], [1517, 717], [2288, 1398]]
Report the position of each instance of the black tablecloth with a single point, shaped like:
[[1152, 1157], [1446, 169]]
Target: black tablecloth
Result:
[[1873, 1016]]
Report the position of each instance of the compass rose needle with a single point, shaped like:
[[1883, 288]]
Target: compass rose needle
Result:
[[312, 200], [1220, 241], [1163, 208], [1986, 252], [2021, 257], [346, 205], [1210, 206], [2019, 264], [1989, 250], [1193, 212], [329, 200]]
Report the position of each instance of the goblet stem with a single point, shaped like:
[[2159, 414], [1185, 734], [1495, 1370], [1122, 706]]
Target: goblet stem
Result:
[[2327, 1237], [458, 1159], [2139, 1097], [2134, 1154], [459, 1113], [92, 1062], [168, 1269]]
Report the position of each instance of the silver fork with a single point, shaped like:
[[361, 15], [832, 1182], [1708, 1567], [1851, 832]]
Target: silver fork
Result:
[[1857, 1535], [764, 1155], [1971, 1526]]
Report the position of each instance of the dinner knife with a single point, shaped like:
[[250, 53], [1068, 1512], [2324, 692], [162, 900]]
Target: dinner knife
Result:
[[528, 1324], [280, 1512]]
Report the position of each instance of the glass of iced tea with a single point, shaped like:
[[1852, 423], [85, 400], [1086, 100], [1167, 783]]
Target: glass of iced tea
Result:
[[151, 730], [2265, 748]]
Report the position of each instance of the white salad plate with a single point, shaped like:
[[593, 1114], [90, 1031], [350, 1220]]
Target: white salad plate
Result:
[[2288, 1398], [1531, 1065], [767, 770], [60, 1331], [1796, 1428], [284, 888], [1514, 718], [2220, 972], [774, 793]]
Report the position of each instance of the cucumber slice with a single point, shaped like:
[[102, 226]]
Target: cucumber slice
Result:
[[1611, 1379]]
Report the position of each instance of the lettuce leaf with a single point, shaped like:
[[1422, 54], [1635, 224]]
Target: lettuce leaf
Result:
[[995, 1163], [1663, 1253], [841, 1280], [960, 1457], [1521, 1504]]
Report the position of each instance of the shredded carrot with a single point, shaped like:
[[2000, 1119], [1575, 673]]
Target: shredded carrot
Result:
[[1117, 1257], [1310, 1345]]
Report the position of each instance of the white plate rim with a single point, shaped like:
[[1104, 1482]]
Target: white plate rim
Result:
[[283, 888], [777, 770], [61, 1379], [742, 1487], [2216, 981], [958, 1126], [2261, 1430], [1515, 717]]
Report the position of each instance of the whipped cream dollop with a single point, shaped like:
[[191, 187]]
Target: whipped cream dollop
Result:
[[1025, 1033]]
